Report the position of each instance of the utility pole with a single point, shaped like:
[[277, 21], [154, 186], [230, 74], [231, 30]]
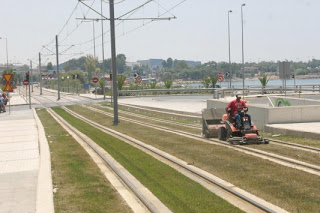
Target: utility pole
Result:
[[242, 48], [103, 67], [230, 68], [30, 77], [31, 81], [57, 54], [40, 79], [114, 64]]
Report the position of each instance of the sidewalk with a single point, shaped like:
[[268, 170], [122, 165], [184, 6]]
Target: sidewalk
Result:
[[20, 161]]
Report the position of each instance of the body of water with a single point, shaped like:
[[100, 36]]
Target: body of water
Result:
[[256, 83]]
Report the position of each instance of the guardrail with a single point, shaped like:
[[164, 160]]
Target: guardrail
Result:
[[217, 92]]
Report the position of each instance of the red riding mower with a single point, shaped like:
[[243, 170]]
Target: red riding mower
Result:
[[246, 134]]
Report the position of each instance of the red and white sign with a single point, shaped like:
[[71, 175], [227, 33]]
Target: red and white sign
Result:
[[95, 80], [25, 82], [138, 79], [220, 76]]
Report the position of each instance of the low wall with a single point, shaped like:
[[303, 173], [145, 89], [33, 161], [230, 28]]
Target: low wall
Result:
[[275, 115], [291, 101]]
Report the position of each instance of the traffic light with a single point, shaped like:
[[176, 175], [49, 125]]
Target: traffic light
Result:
[[27, 76], [110, 76]]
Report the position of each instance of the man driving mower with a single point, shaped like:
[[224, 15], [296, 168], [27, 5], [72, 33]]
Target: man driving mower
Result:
[[237, 109]]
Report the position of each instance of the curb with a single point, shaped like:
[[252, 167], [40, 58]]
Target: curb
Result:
[[44, 200]]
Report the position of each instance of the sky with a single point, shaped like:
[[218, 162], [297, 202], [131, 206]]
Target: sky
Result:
[[272, 30]]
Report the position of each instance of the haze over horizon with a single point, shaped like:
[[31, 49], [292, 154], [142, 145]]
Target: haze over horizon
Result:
[[273, 30]]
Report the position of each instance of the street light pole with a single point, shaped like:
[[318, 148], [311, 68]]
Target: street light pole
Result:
[[242, 47], [6, 51], [230, 69]]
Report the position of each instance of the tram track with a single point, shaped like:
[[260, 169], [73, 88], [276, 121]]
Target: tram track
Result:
[[250, 199], [194, 126], [248, 203], [149, 125], [150, 203], [306, 167]]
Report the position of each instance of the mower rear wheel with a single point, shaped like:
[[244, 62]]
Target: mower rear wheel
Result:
[[222, 133]]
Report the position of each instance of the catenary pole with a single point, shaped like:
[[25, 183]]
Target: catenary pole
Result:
[[40, 78], [30, 77], [230, 68], [103, 67], [57, 54], [242, 47], [114, 67]]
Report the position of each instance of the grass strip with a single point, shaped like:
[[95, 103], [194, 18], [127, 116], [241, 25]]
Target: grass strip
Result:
[[297, 154], [174, 126], [291, 139], [289, 188], [175, 190], [81, 187], [163, 114]]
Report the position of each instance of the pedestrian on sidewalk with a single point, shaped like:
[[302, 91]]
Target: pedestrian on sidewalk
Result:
[[2, 106]]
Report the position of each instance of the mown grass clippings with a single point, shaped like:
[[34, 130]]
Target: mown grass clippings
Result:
[[161, 114], [80, 185], [175, 190], [292, 189], [297, 154], [168, 125]]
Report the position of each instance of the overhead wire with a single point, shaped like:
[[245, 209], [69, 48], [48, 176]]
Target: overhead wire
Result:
[[127, 14]]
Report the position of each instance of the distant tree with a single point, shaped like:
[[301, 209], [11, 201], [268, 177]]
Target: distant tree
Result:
[[121, 63], [169, 63], [90, 66], [153, 85], [213, 81], [121, 79], [168, 83], [206, 82], [49, 66]]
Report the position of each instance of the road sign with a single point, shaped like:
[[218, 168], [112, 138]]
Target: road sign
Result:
[[25, 82], [220, 74], [95, 80], [8, 87], [227, 74], [138, 79], [220, 79]]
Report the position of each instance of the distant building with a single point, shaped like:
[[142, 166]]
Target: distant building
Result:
[[157, 63], [132, 64], [152, 63]]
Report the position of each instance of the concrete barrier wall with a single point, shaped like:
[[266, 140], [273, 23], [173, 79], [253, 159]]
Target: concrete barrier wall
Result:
[[275, 115], [293, 101]]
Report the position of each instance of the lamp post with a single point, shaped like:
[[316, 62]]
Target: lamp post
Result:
[[242, 47], [6, 51], [230, 69], [68, 83]]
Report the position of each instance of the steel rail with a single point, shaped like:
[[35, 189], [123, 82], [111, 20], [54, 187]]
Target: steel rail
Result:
[[243, 197], [294, 144], [110, 164], [218, 142], [305, 148]]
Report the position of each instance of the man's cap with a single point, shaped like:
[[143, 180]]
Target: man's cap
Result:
[[238, 94]]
